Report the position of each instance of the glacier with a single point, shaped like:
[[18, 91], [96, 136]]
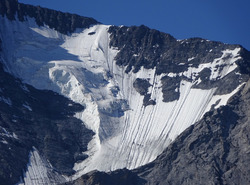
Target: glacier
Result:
[[82, 67]]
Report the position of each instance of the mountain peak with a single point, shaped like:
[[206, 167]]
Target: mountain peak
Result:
[[137, 89]]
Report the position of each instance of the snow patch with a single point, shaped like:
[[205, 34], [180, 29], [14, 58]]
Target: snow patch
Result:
[[4, 141], [40, 171], [6, 100], [221, 100], [5, 133], [220, 67], [189, 59], [27, 107]]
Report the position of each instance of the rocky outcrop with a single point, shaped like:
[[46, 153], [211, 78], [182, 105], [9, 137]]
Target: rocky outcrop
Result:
[[121, 177], [149, 48], [244, 66], [141, 86], [62, 22]]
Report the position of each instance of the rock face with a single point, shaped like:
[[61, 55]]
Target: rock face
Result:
[[141, 86], [141, 92], [121, 177], [141, 46], [62, 22]]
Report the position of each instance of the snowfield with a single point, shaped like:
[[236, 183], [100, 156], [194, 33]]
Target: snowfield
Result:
[[81, 66]]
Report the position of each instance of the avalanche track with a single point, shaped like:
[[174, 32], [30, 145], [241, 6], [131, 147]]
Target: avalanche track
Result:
[[82, 67]]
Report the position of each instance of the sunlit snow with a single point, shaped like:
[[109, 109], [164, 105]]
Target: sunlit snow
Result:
[[4, 134]]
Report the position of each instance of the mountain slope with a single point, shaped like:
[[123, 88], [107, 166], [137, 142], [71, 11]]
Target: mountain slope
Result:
[[140, 88], [35, 120], [215, 150]]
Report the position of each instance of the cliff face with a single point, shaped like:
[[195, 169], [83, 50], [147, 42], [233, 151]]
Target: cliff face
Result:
[[62, 22]]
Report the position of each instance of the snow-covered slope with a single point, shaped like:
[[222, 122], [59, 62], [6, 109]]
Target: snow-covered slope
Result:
[[40, 171], [82, 67]]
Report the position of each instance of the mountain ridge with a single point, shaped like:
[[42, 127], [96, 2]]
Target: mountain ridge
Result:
[[62, 22]]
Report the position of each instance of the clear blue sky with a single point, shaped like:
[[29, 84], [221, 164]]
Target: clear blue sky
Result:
[[221, 20]]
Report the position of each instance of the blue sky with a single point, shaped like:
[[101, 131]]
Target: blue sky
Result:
[[220, 20]]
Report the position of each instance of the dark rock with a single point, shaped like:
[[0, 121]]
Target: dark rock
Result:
[[91, 33], [63, 22], [141, 46], [170, 88], [9, 8], [121, 177], [147, 101], [244, 62], [141, 86]]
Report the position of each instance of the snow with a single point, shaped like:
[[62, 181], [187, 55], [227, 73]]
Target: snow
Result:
[[4, 141], [220, 67], [5, 133], [192, 58], [24, 87], [222, 99], [27, 107], [82, 67], [180, 64], [6, 100], [172, 74], [39, 171]]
